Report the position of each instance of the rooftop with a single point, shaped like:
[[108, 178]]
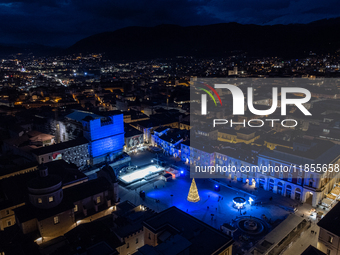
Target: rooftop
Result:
[[130, 218], [331, 220], [322, 153], [199, 146], [311, 250], [60, 146], [192, 229], [78, 115], [131, 131]]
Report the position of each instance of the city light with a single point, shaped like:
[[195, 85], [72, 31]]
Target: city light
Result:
[[239, 202], [250, 200], [127, 145], [140, 174]]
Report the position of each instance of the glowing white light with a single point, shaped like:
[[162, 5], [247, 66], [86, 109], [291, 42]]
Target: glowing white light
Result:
[[38, 240], [250, 200], [140, 174]]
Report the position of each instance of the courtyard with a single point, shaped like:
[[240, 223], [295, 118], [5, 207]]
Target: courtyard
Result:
[[214, 207]]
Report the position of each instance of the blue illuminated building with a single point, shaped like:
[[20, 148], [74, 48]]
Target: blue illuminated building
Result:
[[105, 134]]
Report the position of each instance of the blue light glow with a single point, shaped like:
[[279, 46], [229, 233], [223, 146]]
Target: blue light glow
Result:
[[105, 138]]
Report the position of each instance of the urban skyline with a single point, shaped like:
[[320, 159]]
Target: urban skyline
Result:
[[178, 133]]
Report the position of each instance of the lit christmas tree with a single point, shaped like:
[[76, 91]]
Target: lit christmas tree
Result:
[[193, 192]]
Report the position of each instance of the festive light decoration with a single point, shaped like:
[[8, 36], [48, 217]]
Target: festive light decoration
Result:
[[193, 192], [250, 200], [239, 202]]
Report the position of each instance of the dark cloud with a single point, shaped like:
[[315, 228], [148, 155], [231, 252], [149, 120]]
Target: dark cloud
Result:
[[63, 22]]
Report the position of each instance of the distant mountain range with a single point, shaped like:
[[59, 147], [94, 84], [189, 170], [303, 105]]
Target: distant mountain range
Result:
[[28, 49], [219, 40]]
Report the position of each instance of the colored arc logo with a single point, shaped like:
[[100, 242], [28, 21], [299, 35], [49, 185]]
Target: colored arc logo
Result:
[[215, 92]]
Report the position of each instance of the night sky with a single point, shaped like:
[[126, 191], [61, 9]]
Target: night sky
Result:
[[63, 22]]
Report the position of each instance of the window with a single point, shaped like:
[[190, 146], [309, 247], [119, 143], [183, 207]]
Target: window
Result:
[[75, 208], [289, 177], [328, 252], [98, 200], [39, 201], [42, 159], [7, 212], [136, 240], [9, 223], [56, 219], [299, 180], [127, 245], [149, 235], [50, 199], [330, 239]]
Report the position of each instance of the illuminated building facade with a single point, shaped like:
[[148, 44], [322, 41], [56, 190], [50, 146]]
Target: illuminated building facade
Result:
[[300, 183], [105, 135], [73, 151]]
